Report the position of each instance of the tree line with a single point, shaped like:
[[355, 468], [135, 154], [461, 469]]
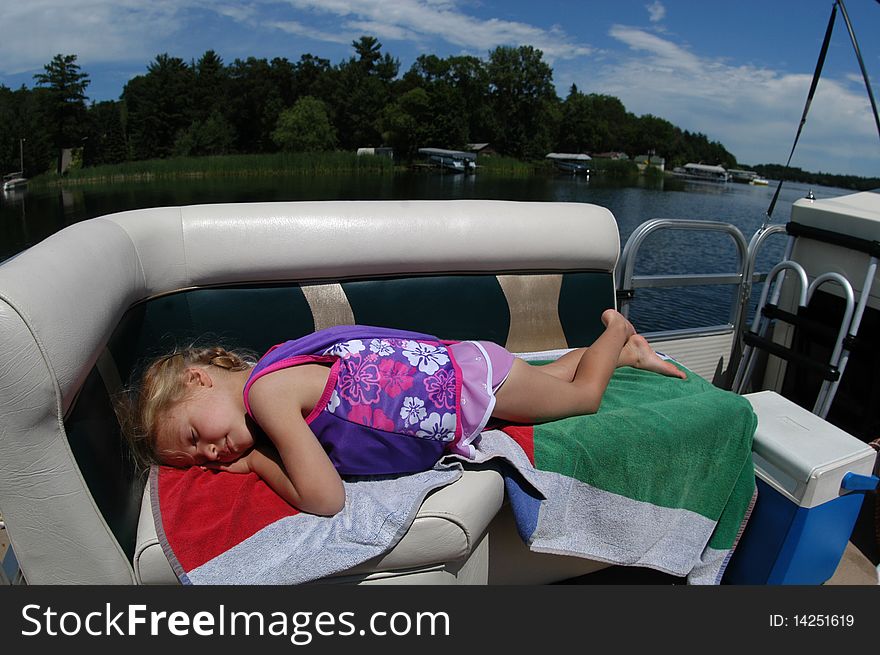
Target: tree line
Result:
[[795, 174], [208, 107]]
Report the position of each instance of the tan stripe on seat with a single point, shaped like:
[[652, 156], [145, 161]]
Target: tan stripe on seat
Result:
[[533, 301], [329, 305], [109, 372]]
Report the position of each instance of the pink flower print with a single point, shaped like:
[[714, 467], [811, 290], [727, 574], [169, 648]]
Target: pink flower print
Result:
[[382, 422], [358, 381], [376, 418], [396, 377], [441, 388]]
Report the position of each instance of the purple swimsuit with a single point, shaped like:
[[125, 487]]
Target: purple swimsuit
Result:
[[395, 401]]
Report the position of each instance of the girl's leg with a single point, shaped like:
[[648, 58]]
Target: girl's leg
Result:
[[531, 395], [564, 367], [565, 388], [636, 353]]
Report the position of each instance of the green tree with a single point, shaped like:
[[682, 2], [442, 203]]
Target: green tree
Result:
[[255, 103], [312, 76], [66, 106], [105, 142], [581, 129], [22, 116], [468, 75], [404, 123], [210, 91], [650, 133], [305, 127], [523, 101], [211, 136], [450, 100], [158, 107], [363, 88]]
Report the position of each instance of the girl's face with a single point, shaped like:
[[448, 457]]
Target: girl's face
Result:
[[209, 425]]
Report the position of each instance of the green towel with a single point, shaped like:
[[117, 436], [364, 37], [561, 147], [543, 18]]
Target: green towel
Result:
[[661, 476]]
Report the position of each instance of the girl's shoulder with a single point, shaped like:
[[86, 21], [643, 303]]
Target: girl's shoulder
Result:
[[300, 386]]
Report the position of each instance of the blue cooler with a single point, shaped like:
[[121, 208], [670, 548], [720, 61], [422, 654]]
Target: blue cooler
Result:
[[811, 479]]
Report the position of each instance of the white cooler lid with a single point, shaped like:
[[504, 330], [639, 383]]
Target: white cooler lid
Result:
[[856, 214], [801, 455]]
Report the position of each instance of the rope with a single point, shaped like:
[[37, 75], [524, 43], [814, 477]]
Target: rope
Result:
[[816, 74]]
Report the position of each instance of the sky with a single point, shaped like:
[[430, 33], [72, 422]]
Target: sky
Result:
[[737, 71]]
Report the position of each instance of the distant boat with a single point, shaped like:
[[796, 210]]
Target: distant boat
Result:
[[570, 162], [379, 152], [454, 160], [741, 176], [15, 180], [702, 172], [746, 177]]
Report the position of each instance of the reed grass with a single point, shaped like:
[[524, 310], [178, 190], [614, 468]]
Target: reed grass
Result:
[[508, 166], [615, 168], [262, 165]]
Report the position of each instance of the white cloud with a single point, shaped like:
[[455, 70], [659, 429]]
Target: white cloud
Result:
[[656, 11], [421, 20], [96, 30], [297, 28], [102, 31], [753, 111]]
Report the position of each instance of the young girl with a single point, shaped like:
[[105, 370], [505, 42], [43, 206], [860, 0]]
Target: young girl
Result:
[[360, 400]]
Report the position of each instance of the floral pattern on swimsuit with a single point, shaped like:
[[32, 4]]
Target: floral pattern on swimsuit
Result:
[[397, 385]]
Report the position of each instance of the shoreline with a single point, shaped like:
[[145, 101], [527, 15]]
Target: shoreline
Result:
[[297, 164]]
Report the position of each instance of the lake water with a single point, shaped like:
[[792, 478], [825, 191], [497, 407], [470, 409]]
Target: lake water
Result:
[[27, 218]]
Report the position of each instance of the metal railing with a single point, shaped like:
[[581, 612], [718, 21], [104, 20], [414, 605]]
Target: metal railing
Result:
[[744, 276]]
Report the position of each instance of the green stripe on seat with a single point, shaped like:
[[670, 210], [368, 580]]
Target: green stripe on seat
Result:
[[102, 458], [252, 318], [450, 306], [582, 299]]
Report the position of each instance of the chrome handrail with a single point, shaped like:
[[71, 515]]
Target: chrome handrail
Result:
[[745, 276], [755, 244], [629, 282]]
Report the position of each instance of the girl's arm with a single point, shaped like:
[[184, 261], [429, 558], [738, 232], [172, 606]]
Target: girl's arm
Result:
[[265, 462], [301, 472]]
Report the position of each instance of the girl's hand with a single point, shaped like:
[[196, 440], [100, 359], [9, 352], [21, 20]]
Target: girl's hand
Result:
[[240, 465]]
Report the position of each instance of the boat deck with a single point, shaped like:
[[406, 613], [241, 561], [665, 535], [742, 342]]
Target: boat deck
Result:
[[854, 570]]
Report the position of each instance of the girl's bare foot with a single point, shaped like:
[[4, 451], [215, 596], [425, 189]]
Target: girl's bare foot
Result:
[[610, 316], [638, 353]]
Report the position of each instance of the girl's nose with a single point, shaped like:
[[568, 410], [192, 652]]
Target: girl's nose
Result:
[[211, 452]]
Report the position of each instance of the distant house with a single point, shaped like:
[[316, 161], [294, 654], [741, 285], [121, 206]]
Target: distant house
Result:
[[643, 161], [610, 155], [481, 148]]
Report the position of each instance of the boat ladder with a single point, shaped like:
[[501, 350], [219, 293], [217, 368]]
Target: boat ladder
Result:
[[757, 338]]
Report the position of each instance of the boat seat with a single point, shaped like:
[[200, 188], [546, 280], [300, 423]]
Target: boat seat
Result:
[[82, 311]]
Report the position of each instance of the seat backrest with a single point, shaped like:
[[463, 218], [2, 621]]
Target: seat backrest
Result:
[[82, 311]]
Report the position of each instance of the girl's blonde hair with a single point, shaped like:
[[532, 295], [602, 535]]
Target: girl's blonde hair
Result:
[[161, 387]]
